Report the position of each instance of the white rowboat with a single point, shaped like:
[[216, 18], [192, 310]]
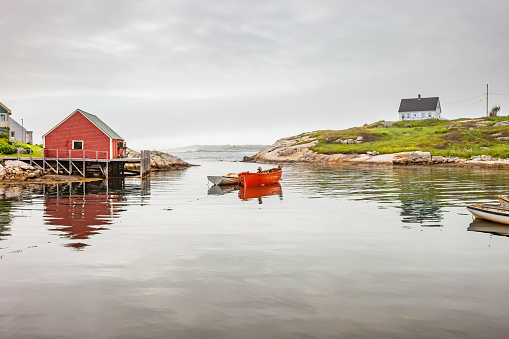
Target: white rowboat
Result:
[[492, 213], [229, 179], [504, 200]]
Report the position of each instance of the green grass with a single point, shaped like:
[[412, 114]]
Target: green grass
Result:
[[430, 135], [36, 150]]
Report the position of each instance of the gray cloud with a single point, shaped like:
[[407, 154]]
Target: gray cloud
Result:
[[201, 67]]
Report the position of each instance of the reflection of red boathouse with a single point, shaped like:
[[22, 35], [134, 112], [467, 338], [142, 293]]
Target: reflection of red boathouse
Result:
[[80, 216], [257, 192]]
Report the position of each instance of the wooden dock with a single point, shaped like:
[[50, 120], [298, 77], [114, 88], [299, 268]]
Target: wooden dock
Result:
[[66, 164]]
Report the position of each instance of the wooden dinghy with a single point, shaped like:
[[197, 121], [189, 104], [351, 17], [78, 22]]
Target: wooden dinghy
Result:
[[229, 179], [261, 178], [498, 214], [504, 200]]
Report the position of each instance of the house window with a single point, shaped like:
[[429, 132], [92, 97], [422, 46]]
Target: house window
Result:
[[429, 115], [423, 115], [2, 117], [77, 144], [13, 134], [415, 115]]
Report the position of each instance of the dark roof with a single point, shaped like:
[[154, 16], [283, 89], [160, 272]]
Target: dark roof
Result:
[[96, 121], [416, 105], [101, 125]]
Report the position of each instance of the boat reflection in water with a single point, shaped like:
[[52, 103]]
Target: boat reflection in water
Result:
[[79, 210], [257, 192], [485, 226], [221, 190]]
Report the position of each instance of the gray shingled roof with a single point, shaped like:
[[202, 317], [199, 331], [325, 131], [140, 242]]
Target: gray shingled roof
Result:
[[416, 105], [101, 125]]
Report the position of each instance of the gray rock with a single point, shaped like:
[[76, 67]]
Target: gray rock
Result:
[[486, 158]]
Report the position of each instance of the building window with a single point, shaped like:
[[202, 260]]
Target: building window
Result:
[[423, 115], [77, 144], [13, 134], [429, 115], [2, 117]]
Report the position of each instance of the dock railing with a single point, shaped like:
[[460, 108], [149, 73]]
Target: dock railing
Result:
[[75, 154]]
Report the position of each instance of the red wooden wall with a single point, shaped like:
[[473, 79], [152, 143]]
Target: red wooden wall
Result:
[[78, 127]]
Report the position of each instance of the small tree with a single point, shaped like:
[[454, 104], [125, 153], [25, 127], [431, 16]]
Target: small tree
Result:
[[494, 111]]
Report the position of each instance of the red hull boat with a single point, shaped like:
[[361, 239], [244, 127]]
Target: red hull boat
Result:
[[261, 178]]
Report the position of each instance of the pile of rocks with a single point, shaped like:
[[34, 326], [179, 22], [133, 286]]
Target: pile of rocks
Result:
[[358, 140], [418, 157], [18, 170]]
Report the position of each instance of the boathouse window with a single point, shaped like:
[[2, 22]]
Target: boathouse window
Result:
[[77, 144]]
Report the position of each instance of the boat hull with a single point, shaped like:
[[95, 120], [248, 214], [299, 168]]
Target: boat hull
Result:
[[490, 213], [260, 179], [223, 180], [504, 200]]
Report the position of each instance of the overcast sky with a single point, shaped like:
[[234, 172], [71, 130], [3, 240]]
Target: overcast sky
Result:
[[174, 73]]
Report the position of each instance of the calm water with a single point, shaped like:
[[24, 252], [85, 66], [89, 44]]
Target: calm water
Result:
[[333, 252]]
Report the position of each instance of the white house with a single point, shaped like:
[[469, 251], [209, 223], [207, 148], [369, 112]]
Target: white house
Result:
[[420, 108], [16, 131], [19, 133]]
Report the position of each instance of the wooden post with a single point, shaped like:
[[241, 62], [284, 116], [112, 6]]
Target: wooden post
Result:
[[30, 157], [144, 162], [18, 153], [57, 162]]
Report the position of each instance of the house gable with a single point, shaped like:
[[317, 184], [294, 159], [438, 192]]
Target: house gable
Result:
[[4, 109], [107, 130]]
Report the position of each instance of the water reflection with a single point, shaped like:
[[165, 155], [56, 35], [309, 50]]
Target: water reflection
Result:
[[77, 211], [421, 193], [258, 192], [221, 190], [485, 226]]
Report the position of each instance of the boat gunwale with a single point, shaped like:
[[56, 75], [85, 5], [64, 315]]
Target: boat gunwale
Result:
[[489, 209]]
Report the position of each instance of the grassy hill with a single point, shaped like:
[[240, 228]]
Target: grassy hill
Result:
[[457, 138], [9, 148]]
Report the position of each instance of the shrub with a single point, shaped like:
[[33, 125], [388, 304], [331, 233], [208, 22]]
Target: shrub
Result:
[[6, 147]]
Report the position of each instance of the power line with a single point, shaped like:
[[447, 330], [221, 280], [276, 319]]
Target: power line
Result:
[[456, 102]]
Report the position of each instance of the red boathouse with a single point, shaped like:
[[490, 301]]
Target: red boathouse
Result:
[[83, 135]]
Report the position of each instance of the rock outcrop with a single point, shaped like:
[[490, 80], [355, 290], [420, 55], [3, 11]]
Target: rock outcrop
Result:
[[18, 170], [158, 161], [297, 149]]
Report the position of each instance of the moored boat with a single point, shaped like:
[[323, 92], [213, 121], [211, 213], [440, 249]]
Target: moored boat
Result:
[[261, 178], [498, 214], [229, 179], [504, 200]]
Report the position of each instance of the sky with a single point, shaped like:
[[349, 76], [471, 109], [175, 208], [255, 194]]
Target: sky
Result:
[[166, 74]]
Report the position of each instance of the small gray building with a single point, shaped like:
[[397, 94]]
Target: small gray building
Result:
[[19, 133], [420, 108]]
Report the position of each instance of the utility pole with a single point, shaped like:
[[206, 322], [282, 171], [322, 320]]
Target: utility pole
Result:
[[486, 99]]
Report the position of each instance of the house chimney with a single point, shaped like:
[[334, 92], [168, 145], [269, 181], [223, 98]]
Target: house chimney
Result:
[[418, 97]]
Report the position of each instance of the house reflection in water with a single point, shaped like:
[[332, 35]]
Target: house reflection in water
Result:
[[79, 210], [427, 213]]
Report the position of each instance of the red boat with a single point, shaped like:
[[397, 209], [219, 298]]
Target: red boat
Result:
[[260, 178]]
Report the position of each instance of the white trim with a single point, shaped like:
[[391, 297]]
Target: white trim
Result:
[[82, 144]]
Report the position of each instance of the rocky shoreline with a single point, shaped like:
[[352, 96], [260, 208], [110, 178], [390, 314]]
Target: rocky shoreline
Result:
[[297, 149], [20, 171]]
